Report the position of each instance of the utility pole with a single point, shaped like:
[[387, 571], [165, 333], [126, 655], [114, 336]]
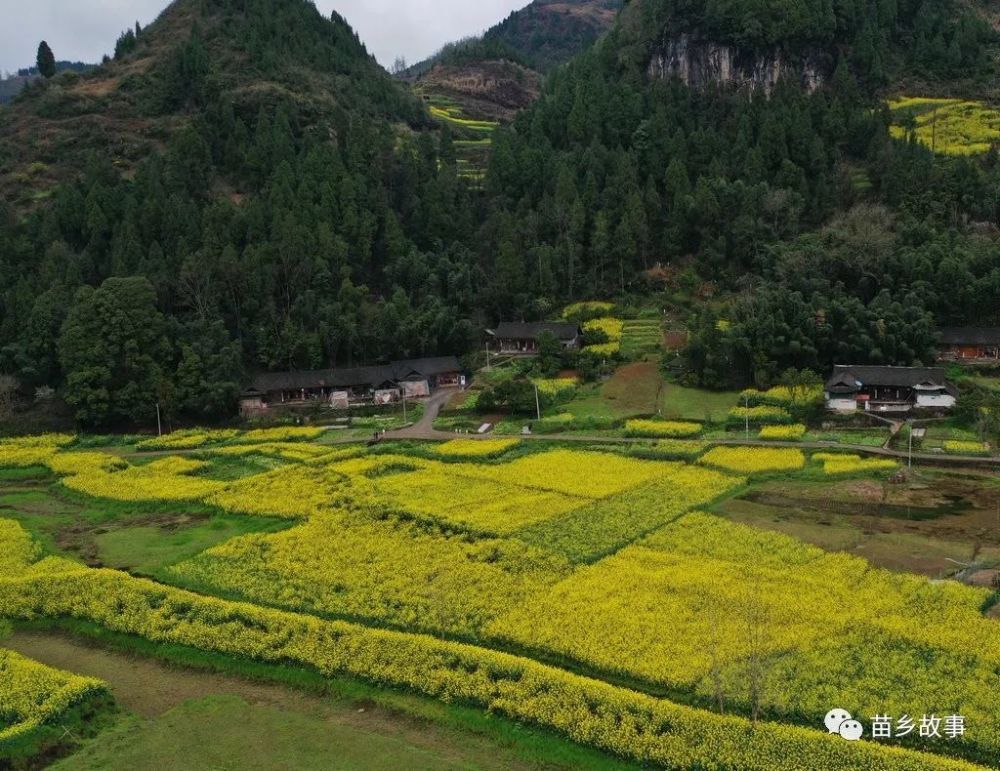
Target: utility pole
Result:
[[488, 365], [159, 426], [910, 424], [404, 406], [538, 403], [746, 404]]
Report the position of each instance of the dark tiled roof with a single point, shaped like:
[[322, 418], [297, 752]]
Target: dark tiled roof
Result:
[[889, 377], [324, 378], [440, 365], [970, 335], [356, 377], [510, 330]]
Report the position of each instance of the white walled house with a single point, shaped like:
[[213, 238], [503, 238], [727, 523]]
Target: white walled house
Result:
[[889, 389]]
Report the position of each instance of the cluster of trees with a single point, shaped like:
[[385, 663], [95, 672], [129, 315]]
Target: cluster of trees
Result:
[[127, 41]]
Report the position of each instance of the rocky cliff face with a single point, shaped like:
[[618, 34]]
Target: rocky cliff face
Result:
[[702, 64]]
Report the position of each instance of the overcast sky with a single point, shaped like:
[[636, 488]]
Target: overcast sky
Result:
[[85, 30]]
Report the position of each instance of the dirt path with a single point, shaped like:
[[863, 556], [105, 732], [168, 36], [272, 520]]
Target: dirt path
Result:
[[424, 429], [157, 692]]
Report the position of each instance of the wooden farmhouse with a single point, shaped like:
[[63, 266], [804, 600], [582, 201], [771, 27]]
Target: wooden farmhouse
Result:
[[972, 344], [357, 386], [521, 339], [889, 389]]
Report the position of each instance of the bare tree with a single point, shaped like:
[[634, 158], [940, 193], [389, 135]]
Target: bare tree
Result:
[[399, 66], [8, 396], [758, 621], [715, 672]]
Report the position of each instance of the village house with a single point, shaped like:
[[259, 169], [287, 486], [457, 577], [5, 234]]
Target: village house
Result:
[[347, 387], [521, 339], [969, 344], [889, 389]]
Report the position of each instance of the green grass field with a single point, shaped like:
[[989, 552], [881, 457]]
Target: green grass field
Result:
[[696, 404], [219, 713], [224, 732], [146, 550]]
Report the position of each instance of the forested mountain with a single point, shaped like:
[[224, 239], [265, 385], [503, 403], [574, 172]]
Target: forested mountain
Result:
[[271, 184], [834, 241], [243, 188]]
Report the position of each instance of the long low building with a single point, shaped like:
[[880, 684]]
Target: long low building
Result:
[[342, 388], [969, 344], [889, 389], [522, 338]]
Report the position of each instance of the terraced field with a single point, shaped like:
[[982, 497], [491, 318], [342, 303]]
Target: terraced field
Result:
[[641, 337], [474, 138]]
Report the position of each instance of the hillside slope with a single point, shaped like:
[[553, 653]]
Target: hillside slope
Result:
[[197, 54], [280, 199]]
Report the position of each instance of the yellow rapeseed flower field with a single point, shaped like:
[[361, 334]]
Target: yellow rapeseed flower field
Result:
[[168, 479], [783, 433], [662, 429], [690, 606], [387, 571], [948, 126], [286, 434], [754, 460], [836, 463], [24, 452], [596, 560], [188, 440], [32, 694], [623, 721], [958, 447], [583, 474], [475, 448]]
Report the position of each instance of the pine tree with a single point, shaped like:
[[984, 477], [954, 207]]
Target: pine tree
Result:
[[46, 60]]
